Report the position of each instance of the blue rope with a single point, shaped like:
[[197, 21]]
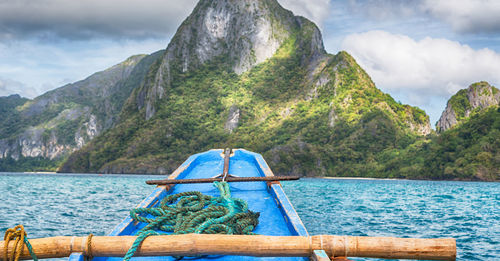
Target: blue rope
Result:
[[140, 237], [193, 212], [30, 249]]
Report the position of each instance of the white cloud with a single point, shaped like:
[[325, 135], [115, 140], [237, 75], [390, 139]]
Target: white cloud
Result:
[[38, 66], [464, 16], [134, 19], [315, 10], [424, 71], [86, 19], [8, 87], [41, 67], [467, 16]]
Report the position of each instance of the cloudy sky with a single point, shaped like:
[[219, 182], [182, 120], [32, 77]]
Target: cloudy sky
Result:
[[420, 52]]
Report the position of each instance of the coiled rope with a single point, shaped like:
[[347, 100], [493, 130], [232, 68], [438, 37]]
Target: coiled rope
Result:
[[194, 212], [20, 238]]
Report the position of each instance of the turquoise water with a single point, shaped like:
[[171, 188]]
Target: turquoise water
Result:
[[53, 205]]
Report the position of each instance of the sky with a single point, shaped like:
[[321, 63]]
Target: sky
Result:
[[420, 52]]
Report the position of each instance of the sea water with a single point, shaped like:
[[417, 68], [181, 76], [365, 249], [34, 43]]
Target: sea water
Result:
[[79, 204]]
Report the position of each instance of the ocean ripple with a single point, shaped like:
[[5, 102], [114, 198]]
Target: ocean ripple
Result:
[[79, 204]]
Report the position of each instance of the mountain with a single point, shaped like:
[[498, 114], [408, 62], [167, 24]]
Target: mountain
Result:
[[51, 126], [250, 74], [465, 102], [468, 151], [467, 146], [238, 34]]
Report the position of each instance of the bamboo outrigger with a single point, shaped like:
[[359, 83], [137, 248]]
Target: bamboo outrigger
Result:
[[242, 245], [281, 234]]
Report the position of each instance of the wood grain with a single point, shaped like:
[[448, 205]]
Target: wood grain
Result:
[[258, 245]]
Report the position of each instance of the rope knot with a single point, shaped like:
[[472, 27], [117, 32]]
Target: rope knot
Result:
[[20, 238]]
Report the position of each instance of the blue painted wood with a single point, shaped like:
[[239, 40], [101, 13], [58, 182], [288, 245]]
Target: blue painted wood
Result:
[[277, 215], [76, 257], [320, 255]]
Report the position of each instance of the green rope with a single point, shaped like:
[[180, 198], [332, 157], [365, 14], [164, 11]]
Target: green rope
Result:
[[193, 212]]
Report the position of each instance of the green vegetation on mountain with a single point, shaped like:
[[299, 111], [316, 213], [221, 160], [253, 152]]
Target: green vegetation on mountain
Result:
[[466, 148], [481, 95], [467, 102], [9, 104], [333, 122], [9, 113], [460, 104], [249, 74], [470, 151], [30, 164], [42, 132]]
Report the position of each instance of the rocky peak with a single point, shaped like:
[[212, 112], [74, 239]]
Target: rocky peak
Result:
[[482, 95], [477, 97], [241, 33], [97, 86], [247, 32]]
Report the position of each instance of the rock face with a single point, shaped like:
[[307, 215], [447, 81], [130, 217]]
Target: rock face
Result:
[[477, 97], [447, 120], [232, 119], [238, 73], [420, 128], [241, 33], [65, 119]]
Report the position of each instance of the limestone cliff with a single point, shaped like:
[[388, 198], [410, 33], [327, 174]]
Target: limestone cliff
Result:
[[250, 74], [477, 97], [237, 73], [65, 119], [243, 33]]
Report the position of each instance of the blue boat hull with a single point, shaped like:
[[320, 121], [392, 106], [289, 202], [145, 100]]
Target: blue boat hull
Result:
[[277, 215]]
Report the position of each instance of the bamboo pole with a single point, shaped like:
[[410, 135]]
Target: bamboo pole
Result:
[[255, 245], [228, 179]]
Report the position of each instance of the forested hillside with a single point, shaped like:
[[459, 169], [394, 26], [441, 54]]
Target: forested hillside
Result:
[[248, 74], [309, 112]]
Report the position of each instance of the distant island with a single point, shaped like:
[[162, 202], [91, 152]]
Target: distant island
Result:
[[248, 74]]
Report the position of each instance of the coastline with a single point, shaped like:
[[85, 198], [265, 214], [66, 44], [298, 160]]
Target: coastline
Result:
[[363, 178], [39, 172]]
